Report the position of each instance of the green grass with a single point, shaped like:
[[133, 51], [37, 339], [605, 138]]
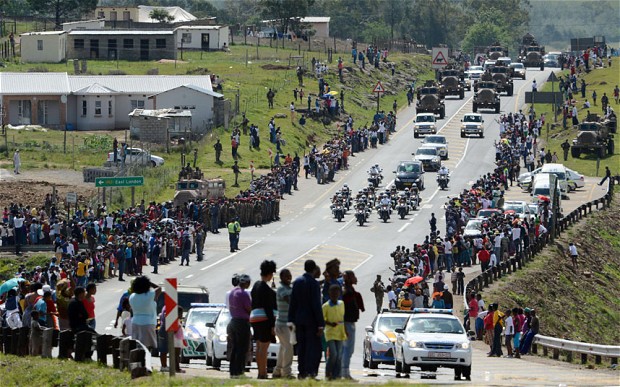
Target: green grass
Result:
[[603, 81], [251, 81], [10, 265], [28, 371]]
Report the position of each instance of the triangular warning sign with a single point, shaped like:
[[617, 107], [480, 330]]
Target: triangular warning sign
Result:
[[439, 59], [378, 88]]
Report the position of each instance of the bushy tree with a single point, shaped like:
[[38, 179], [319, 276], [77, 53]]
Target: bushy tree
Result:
[[62, 9], [161, 15]]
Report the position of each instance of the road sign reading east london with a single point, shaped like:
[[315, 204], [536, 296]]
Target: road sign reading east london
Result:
[[127, 181]]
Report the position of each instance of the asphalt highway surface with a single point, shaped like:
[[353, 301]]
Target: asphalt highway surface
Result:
[[307, 230]]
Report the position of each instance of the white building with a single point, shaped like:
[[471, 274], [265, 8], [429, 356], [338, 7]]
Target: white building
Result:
[[320, 25], [48, 46], [97, 24], [205, 38], [197, 99], [81, 102]]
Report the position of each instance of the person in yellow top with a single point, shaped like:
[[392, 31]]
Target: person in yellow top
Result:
[[405, 302], [498, 324], [335, 333], [82, 268]]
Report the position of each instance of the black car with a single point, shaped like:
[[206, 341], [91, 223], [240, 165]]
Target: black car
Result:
[[409, 173]]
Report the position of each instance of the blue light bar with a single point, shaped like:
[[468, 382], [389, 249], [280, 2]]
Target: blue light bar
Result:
[[431, 310], [206, 305]]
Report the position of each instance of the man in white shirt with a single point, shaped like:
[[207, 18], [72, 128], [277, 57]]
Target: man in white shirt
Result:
[[509, 331], [572, 251]]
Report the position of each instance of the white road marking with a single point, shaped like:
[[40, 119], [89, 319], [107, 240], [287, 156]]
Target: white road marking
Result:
[[312, 229], [403, 227], [226, 258], [427, 206], [301, 256], [464, 153], [363, 262], [346, 224], [189, 276]]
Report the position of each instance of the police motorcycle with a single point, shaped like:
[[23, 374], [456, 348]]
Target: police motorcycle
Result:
[[337, 207], [384, 208], [413, 198], [443, 178], [374, 175], [402, 207], [346, 196], [361, 212]]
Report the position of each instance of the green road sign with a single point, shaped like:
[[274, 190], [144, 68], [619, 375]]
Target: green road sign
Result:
[[127, 181]]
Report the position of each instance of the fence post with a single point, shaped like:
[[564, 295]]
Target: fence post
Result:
[[65, 344], [137, 362], [46, 343], [584, 358], [597, 359], [23, 342], [15, 341], [83, 345], [569, 357], [556, 354], [116, 343]]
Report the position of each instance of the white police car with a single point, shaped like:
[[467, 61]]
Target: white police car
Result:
[[196, 331], [380, 337], [217, 342], [431, 339]]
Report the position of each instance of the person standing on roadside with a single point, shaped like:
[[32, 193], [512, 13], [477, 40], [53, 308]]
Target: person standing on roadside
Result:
[[283, 330], [353, 304], [607, 176], [17, 162], [306, 313], [378, 288], [572, 250], [238, 329], [262, 316]]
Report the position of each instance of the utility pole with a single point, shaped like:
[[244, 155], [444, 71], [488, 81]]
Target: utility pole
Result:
[[4, 131]]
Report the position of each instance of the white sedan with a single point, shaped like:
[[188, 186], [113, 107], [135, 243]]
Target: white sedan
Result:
[[439, 142], [137, 156]]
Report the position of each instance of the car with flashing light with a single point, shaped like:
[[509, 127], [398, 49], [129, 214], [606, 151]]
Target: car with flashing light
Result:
[[472, 123], [381, 335], [429, 156], [217, 342], [487, 213], [576, 179], [518, 207], [195, 329], [438, 141], [473, 228], [136, 156], [432, 339], [425, 123]]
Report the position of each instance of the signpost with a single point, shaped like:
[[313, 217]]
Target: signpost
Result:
[[553, 79], [440, 57], [378, 89], [71, 197], [172, 318], [126, 181]]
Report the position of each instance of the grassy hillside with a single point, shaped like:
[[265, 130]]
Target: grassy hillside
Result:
[[603, 81], [583, 305], [248, 72]]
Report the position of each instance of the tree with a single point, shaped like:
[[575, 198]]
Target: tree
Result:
[[483, 34], [63, 9], [161, 15], [285, 13]]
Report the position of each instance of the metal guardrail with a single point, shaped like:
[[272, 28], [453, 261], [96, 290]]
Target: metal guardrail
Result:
[[515, 263], [610, 351]]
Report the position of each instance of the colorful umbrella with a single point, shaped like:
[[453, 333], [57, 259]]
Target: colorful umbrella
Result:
[[10, 284], [413, 280]]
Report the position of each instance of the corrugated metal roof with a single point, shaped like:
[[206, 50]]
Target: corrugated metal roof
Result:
[[44, 33], [198, 28], [169, 112], [315, 19], [195, 88], [121, 32], [35, 84], [140, 84], [178, 13], [95, 88]]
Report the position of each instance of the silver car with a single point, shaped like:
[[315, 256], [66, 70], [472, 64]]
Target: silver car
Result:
[[437, 141]]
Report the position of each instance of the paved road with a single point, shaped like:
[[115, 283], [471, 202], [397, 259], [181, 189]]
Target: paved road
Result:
[[307, 230]]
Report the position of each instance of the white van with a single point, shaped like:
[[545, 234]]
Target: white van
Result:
[[562, 174], [541, 185]]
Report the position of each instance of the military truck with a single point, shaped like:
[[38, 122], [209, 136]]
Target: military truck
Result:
[[495, 51], [502, 75], [593, 137], [430, 100], [486, 96], [452, 82], [531, 53], [196, 189]]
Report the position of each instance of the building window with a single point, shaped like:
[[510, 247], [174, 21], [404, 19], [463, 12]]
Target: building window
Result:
[[128, 43], [110, 108], [43, 113], [24, 111], [126, 15], [137, 104], [160, 43], [112, 15], [40, 45], [101, 15], [78, 44], [84, 107], [97, 108], [186, 38]]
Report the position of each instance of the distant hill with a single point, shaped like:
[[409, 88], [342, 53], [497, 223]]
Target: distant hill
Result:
[[555, 22], [582, 306]]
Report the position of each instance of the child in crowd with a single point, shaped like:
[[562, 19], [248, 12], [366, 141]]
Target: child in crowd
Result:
[[335, 334]]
